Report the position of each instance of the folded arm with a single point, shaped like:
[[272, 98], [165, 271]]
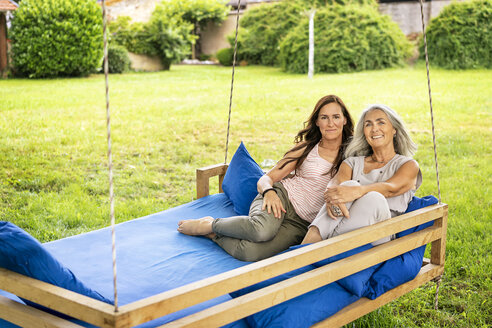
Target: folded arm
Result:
[[402, 181]]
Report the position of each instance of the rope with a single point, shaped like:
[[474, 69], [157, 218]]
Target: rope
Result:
[[110, 161], [232, 81], [438, 281], [438, 284], [430, 101]]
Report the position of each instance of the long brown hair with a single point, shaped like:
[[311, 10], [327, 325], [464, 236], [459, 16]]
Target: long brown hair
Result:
[[310, 136]]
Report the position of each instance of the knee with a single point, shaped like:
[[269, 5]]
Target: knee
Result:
[[350, 183], [262, 230], [376, 203], [374, 199], [248, 254], [261, 234]]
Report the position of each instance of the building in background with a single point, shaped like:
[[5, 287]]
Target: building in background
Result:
[[6, 6]]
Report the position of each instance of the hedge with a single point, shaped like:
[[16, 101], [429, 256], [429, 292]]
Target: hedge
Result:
[[56, 38], [263, 27], [118, 59], [460, 36], [168, 38], [347, 38]]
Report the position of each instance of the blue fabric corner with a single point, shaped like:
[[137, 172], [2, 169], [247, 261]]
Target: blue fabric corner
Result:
[[21, 253], [240, 180]]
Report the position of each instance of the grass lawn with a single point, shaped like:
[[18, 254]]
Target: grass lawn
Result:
[[53, 166]]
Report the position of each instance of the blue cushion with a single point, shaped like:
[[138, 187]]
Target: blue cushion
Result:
[[416, 204], [407, 265], [240, 180], [21, 253], [355, 283], [301, 311]]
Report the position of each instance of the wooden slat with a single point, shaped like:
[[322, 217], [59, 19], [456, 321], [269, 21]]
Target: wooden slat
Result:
[[204, 174], [174, 300], [29, 317], [364, 305], [62, 300], [438, 250], [277, 293]]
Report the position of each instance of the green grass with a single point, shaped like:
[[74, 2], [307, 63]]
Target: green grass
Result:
[[53, 166]]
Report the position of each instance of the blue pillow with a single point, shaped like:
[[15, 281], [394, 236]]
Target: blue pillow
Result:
[[21, 253], [240, 180], [301, 311], [416, 204], [402, 268], [355, 283]]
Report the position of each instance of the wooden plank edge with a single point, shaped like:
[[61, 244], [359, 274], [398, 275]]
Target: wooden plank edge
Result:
[[59, 299], [203, 176], [364, 305], [266, 297], [221, 168], [29, 317], [208, 288]]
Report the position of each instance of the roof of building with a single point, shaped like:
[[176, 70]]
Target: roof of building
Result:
[[8, 5]]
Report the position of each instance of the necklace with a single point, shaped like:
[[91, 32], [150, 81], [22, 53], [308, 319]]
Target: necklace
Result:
[[380, 162]]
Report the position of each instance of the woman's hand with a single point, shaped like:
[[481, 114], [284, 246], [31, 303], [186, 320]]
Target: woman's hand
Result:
[[342, 194], [335, 211], [273, 204]]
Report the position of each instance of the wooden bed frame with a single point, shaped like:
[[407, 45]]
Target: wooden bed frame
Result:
[[103, 315]]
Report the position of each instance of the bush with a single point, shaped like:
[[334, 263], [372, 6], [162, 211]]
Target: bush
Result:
[[262, 28], [196, 12], [168, 38], [347, 38], [118, 59], [132, 36], [460, 37], [225, 56], [56, 38]]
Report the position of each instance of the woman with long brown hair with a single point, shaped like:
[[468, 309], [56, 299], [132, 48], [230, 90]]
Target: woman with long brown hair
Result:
[[285, 206]]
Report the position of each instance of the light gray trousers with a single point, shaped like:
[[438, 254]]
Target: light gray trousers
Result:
[[367, 210], [260, 235]]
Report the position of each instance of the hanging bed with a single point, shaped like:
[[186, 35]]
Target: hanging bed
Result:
[[169, 279]]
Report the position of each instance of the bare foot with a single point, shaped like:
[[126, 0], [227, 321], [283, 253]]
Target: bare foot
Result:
[[211, 235], [198, 227]]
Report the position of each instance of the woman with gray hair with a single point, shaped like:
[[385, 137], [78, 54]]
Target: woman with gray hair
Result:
[[376, 181]]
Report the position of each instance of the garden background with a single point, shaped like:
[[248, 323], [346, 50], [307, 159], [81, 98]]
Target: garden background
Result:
[[53, 166]]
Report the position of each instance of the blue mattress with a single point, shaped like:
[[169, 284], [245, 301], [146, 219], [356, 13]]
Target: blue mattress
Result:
[[152, 257]]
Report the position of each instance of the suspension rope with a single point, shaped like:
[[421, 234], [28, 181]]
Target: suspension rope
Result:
[[232, 80], [110, 161], [430, 100], [438, 284]]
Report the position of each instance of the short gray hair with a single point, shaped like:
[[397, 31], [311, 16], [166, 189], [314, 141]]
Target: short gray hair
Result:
[[402, 142]]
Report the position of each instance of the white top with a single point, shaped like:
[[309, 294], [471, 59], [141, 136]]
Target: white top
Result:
[[306, 188], [397, 204]]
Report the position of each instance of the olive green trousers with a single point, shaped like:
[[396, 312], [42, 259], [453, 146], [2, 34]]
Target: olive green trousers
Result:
[[260, 234]]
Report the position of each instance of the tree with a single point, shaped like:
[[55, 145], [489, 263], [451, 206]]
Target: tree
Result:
[[197, 12], [165, 37]]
